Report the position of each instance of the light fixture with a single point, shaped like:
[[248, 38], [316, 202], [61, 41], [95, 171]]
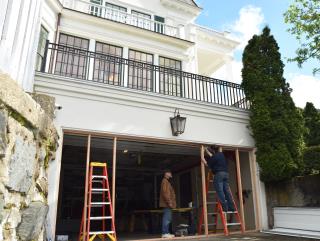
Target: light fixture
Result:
[[125, 151], [178, 123]]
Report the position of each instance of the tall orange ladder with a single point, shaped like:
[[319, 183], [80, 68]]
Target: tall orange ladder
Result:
[[98, 198], [214, 209]]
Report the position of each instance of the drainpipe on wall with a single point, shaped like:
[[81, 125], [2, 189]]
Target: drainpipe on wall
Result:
[[57, 28]]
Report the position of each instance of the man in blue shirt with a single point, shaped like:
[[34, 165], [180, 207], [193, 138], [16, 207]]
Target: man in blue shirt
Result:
[[218, 164]]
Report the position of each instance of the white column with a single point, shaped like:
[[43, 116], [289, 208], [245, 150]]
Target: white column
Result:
[[156, 81], [229, 70], [125, 55], [92, 48], [181, 31]]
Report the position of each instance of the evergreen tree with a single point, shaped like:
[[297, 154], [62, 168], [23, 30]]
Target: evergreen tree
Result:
[[275, 122], [312, 122]]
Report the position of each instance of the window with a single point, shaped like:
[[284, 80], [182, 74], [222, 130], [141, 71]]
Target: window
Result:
[[106, 68], [170, 80], [140, 74], [41, 47], [115, 12], [116, 7], [141, 20], [95, 9], [71, 59], [159, 24]]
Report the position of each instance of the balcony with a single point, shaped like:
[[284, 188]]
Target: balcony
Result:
[[121, 15], [105, 69]]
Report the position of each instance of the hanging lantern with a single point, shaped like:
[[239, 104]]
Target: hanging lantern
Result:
[[178, 123]]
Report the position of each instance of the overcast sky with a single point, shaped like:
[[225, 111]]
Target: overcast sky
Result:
[[244, 18]]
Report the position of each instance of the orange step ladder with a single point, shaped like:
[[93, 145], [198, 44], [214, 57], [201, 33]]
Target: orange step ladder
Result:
[[99, 199], [214, 209]]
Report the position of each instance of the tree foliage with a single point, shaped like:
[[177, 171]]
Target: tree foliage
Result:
[[312, 122], [304, 18], [311, 158], [275, 122]]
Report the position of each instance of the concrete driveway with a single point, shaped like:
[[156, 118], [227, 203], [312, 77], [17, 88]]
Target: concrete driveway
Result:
[[255, 237]]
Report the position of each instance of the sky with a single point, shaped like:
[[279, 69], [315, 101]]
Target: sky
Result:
[[244, 18]]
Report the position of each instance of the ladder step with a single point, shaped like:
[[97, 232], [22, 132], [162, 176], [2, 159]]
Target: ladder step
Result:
[[97, 181], [212, 203], [99, 189], [233, 224], [101, 232], [231, 212], [211, 192], [210, 224], [212, 213], [99, 204], [100, 218], [96, 176]]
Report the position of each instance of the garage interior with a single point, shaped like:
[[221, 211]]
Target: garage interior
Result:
[[139, 171]]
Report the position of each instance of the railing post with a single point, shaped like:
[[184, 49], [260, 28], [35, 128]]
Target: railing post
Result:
[[125, 55], [156, 74], [44, 60], [92, 48]]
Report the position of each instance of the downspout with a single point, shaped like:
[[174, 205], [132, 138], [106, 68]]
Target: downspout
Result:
[[57, 28]]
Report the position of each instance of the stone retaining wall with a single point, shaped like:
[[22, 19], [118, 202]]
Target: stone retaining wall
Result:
[[28, 141], [297, 192]]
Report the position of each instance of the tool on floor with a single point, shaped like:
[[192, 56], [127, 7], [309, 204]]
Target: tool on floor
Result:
[[214, 209], [99, 199]]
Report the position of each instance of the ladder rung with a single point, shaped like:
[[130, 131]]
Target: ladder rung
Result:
[[100, 218], [233, 224], [99, 189], [100, 203], [97, 181], [231, 212], [210, 224], [211, 191], [211, 203], [215, 213], [96, 176], [101, 232]]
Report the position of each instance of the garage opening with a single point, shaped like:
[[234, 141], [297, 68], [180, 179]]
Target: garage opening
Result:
[[139, 171]]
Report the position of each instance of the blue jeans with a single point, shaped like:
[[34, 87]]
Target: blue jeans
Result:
[[221, 184], [166, 220]]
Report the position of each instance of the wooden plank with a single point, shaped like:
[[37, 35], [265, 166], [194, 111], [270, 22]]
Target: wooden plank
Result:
[[240, 187], [204, 194], [86, 188], [114, 166], [255, 183], [150, 139]]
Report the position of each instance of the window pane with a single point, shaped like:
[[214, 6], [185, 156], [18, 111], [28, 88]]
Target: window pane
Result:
[[140, 76], [41, 47], [107, 69], [170, 82], [72, 62]]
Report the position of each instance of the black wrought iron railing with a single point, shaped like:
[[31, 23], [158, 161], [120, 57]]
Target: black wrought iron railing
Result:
[[114, 70]]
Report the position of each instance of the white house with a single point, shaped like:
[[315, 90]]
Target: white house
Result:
[[118, 70]]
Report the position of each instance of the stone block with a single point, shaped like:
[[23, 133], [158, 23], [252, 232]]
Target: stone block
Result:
[[46, 102], [3, 132], [1, 207], [32, 221], [22, 166]]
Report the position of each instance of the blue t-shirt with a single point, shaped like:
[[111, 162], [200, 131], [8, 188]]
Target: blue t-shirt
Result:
[[217, 163]]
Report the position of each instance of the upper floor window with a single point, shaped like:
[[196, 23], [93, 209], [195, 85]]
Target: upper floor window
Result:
[[41, 47], [116, 7], [106, 68], [159, 24], [141, 20], [140, 74], [170, 81], [72, 60]]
